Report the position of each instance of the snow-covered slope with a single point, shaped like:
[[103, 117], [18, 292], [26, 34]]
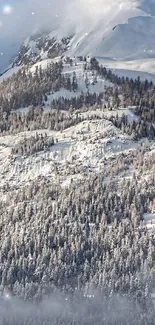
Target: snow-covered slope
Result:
[[113, 32], [122, 30], [86, 145], [120, 33]]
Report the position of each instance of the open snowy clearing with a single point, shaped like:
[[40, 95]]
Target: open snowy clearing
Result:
[[90, 147], [82, 147], [144, 68], [149, 219]]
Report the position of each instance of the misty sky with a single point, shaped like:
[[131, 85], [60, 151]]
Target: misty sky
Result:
[[18, 18], [25, 14]]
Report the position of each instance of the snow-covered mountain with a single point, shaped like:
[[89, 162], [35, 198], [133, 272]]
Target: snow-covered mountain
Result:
[[77, 166], [41, 46], [117, 31]]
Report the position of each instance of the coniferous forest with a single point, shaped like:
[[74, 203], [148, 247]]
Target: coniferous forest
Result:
[[80, 253]]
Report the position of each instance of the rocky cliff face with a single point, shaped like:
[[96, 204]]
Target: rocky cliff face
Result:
[[40, 46]]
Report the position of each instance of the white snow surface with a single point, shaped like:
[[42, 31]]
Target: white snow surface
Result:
[[9, 73], [119, 30], [85, 146], [122, 29], [149, 219]]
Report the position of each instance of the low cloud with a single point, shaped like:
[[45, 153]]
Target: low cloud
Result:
[[62, 309]]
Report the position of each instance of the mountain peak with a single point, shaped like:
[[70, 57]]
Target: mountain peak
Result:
[[113, 31]]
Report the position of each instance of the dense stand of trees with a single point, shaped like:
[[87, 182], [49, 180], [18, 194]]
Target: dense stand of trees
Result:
[[32, 89], [31, 145], [82, 235], [89, 235], [61, 237]]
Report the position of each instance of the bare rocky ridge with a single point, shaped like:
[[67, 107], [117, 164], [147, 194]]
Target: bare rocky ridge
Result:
[[38, 47]]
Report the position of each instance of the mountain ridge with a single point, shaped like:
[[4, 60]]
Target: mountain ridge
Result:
[[119, 32]]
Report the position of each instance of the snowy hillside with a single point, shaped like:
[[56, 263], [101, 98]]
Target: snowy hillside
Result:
[[91, 147], [85, 146], [77, 167]]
